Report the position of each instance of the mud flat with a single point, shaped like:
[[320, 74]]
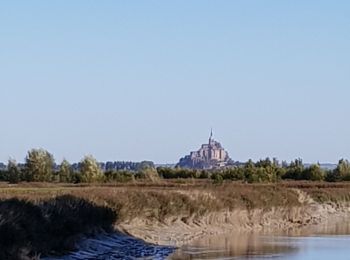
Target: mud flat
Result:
[[116, 246]]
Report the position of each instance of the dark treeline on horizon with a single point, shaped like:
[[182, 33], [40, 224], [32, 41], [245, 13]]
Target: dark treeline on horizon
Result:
[[105, 166], [40, 166], [265, 170]]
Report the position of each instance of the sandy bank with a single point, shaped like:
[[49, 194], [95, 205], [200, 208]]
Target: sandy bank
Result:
[[181, 229]]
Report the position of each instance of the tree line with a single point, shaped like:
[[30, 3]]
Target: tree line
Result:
[[265, 170], [40, 166]]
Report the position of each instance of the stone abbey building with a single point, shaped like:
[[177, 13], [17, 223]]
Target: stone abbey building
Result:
[[209, 156]]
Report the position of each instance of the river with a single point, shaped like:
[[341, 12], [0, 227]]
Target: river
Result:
[[326, 241]]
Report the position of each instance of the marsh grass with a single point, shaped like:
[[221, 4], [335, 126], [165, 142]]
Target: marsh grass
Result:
[[164, 199], [323, 192]]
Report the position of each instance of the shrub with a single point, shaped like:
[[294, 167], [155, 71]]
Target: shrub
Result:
[[119, 176], [217, 179]]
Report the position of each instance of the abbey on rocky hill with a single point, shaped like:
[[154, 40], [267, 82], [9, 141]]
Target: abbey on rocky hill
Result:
[[209, 156]]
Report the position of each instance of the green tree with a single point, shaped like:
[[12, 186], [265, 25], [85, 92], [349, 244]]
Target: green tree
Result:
[[65, 172], [313, 173], [90, 170], [39, 165], [14, 173], [341, 173], [294, 170], [264, 163]]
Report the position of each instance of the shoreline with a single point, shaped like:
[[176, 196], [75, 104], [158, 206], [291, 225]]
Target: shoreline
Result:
[[179, 230]]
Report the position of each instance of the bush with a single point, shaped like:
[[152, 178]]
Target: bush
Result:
[[234, 174], [149, 174], [217, 179], [119, 176]]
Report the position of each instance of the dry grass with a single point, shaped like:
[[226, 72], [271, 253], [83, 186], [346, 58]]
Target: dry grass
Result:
[[175, 197], [323, 192], [164, 199]]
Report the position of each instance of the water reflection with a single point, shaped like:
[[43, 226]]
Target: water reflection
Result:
[[326, 241], [233, 245]]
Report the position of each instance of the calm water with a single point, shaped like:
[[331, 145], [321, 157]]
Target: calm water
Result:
[[328, 241], [264, 247]]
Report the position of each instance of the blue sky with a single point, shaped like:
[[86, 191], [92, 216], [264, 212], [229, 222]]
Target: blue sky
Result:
[[135, 80]]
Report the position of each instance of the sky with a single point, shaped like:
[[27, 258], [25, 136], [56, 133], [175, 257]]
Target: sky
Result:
[[147, 80]]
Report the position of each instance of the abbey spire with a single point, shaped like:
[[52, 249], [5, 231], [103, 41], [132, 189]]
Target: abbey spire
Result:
[[211, 136]]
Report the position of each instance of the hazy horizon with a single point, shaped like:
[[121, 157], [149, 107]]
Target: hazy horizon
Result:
[[146, 80]]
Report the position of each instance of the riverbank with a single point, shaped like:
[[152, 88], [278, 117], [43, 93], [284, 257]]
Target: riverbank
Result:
[[173, 213], [291, 217]]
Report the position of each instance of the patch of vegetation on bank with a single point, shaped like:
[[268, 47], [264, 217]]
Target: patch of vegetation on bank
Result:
[[323, 192], [163, 200], [333, 195], [47, 226]]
